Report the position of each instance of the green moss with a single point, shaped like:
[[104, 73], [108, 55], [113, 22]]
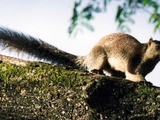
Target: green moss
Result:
[[38, 72], [39, 91], [43, 91]]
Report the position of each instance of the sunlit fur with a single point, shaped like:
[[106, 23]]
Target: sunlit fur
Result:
[[122, 55]]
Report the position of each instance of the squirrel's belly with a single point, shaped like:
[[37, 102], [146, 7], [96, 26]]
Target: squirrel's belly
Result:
[[118, 63]]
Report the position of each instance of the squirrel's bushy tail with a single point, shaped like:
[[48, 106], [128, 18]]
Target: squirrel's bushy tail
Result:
[[35, 47]]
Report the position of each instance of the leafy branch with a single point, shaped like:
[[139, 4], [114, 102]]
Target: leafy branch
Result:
[[84, 12]]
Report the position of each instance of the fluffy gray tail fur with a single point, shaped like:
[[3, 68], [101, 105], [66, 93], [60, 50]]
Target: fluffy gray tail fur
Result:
[[35, 47]]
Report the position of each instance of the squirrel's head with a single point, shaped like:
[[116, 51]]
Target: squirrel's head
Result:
[[153, 49]]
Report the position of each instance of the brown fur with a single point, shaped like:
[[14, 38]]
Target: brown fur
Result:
[[122, 55]]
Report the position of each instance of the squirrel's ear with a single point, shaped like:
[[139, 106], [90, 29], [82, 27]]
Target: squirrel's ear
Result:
[[150, 41]]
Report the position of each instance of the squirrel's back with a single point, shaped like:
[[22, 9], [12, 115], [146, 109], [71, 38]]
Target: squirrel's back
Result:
[[120, 43]]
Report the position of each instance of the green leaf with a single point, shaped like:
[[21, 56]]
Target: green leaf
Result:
[[157, 26], [145, 2], [151, 17], [88, 9], [106, 2], [119, 12], [88, 26], [75, 17]]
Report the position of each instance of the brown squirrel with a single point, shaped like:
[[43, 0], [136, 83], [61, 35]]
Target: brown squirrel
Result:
[[119, 54]]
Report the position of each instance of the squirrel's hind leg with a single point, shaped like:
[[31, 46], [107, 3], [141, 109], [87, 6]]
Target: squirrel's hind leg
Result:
[[96, 60]]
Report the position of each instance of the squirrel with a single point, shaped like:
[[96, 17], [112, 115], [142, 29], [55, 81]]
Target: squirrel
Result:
[[119, 54]]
